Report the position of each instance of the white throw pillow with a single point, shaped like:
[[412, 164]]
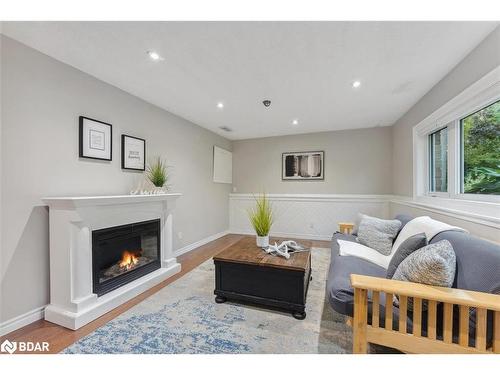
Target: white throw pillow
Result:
[[349, 248]]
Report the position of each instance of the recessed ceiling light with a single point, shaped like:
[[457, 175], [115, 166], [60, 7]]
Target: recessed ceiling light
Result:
[[154, 55], [356, 84], [220, 105], [295, 122]]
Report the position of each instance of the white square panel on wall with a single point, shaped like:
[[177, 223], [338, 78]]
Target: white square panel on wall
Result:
[[223, 166]]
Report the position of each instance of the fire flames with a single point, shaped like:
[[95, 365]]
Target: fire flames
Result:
[[129, 260]]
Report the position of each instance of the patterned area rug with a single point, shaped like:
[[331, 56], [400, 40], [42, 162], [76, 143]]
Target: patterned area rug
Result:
[[183, 318]]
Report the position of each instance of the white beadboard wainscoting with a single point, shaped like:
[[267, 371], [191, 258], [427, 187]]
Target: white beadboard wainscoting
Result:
[[308, 216], [316, 216]]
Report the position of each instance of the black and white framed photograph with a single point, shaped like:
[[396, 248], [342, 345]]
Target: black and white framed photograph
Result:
[[95, 139], [133, 153], [303, 166]]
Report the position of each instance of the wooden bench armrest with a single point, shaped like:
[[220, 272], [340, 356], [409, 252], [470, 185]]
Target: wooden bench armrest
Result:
[[428, 292], [346, 228]]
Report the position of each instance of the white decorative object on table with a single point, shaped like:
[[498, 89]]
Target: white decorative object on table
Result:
[[284, 248]]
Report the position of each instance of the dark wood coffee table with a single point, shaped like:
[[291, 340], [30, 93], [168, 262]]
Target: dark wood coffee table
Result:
[[244, 272]]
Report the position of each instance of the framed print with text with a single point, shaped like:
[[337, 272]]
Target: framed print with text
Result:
[[133, 153]]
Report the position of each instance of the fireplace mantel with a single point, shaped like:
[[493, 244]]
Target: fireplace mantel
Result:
[[72, 220], [102, 200]]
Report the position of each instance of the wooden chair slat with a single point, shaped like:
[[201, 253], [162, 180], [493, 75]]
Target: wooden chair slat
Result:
[[463, 336], [388, 311], [417, 317], [448, 322], [431, 319], [403, 310], [481, 329], [375, 309]]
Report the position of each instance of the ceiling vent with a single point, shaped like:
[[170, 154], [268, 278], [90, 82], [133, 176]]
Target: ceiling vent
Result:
[[225, 128]]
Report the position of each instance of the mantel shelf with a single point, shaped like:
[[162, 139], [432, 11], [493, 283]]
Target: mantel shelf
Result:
[[104, 200]]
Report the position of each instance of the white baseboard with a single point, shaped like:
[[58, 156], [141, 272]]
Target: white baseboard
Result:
[[199, 243], [21, 320]]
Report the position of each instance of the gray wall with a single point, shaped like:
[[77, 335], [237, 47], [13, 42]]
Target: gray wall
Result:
[[483, 59], [356, 162], [41, 101]]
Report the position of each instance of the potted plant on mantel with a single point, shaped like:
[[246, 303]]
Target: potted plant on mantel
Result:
[[261, 217], [157, 174]]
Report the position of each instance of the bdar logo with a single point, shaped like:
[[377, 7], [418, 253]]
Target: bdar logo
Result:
[[24, 346], [9, 347]]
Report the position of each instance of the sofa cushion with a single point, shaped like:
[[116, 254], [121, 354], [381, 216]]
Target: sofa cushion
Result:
[[339, 290], [378, 233], [478, 261], [406, 248]]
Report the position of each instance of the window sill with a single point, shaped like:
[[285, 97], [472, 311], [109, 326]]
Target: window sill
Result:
[[485, 213]]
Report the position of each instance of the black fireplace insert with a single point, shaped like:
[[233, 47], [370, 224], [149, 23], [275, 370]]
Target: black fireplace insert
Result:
[[123, 254]]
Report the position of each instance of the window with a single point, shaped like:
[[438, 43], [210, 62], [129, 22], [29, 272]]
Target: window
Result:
[[456, 154], [438, 161], [480, 151]]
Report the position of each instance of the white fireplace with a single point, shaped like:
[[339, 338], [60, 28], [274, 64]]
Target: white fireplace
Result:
[[73, 301]]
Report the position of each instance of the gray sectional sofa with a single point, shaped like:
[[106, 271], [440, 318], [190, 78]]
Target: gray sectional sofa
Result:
[[478, 269]]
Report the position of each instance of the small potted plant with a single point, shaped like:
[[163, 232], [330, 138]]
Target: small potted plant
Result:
[[261, 217], [157, 174]]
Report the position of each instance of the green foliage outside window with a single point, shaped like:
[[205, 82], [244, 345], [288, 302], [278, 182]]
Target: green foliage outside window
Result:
[[481, 151]]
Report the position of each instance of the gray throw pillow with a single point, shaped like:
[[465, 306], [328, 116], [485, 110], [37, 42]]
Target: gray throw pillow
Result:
[[434, 264], [378, 233], [408, 246]]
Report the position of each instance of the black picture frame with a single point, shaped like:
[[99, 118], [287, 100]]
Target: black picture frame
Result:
[[81, 151], [322, 167], [124, 136]]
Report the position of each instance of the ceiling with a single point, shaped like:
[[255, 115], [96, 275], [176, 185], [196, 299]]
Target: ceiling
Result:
[[305, 68]]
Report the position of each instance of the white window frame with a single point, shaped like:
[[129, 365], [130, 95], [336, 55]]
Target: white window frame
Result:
[[428, 190], [479, 95]]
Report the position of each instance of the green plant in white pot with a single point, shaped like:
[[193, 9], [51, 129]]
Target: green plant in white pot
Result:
[[261, 217], [157, 174]]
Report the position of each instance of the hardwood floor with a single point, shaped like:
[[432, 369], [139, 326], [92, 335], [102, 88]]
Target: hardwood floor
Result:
[[59, 337]]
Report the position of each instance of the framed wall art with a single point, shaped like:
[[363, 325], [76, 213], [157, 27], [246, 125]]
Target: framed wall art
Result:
[[95, 139], [133, 153], [303, 166]]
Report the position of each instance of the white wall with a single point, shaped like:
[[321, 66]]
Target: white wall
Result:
[[41, 101], [482, 60], [356, 162]]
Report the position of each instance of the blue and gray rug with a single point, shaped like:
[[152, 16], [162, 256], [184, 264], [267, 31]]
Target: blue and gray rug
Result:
[[183, 318]]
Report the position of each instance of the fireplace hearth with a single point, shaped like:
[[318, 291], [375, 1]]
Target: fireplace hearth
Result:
[[124, 253]]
